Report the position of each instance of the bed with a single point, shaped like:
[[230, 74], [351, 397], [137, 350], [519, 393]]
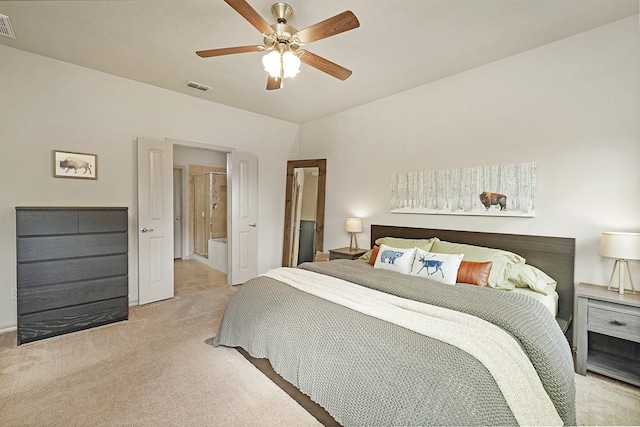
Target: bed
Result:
[[359, 345]]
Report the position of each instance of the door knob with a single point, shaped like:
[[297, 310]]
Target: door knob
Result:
[[252, 225], [145, 229], [177, 218]]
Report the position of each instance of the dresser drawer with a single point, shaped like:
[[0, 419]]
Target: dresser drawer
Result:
[[101, 221], [71, 270], [46, 222], [614, 317], [49, 323], [59, 295], [47, 248]]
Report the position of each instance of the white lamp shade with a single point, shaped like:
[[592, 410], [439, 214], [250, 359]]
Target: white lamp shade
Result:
[[274, 62], [271, 62], [353, 225], [620, 245], [290, 64]]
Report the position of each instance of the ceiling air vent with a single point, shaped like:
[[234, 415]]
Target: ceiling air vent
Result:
[[198, 86], [5, 27]]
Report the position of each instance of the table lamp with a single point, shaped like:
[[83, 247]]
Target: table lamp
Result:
[[622, 246], [353, 226]]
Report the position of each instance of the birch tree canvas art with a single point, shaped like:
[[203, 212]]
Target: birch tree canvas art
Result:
[[501, 190]]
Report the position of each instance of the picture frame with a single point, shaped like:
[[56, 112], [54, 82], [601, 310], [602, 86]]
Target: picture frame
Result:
[[494, 190], [69, 164]]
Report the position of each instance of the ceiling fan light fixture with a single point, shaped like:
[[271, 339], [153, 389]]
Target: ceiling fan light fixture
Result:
[[272, 63], [290, 64], [285, 64]]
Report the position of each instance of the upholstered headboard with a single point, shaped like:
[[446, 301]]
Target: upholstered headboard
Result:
[[553, 255]]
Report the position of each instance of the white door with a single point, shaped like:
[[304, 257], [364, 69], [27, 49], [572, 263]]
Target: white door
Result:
[[177, 213], [155, 220], [243, 244]]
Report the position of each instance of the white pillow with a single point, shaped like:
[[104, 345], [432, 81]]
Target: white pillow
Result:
[[442, 268], [395, 259], [525, 275]]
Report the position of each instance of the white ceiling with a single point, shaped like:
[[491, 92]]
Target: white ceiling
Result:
[[400, 44]]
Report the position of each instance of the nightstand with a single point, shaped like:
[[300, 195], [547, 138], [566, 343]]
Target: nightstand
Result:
[[611, 315], [346, 253]]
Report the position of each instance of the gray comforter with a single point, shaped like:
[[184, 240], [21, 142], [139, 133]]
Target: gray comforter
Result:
[[365, 371]]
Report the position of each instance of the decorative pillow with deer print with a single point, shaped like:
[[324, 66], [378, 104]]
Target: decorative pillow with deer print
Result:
[[442, 268]]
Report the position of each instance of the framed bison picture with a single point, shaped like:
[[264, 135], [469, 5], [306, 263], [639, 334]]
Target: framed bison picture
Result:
[[497, 190], [67, 164]]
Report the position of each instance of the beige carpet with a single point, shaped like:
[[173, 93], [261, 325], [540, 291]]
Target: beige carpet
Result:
[[152, 370], [156, 370]]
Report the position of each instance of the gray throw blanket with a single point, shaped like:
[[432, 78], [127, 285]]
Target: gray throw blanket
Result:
[[366, 371]]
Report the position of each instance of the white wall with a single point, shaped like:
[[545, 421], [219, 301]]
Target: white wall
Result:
[[185, 156], [573, 107], [48, 104]]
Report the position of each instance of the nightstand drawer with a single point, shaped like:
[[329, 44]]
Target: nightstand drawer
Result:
[[614, 317]]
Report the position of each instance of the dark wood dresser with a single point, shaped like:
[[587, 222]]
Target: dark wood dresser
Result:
[[72, 269]]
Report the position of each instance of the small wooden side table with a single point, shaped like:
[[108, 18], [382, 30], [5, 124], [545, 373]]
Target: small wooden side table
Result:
[[612, 315], [346, 253]]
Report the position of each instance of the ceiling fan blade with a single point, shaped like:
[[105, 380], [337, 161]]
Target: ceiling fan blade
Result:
[[229, 51], [325, 65], [340, 23], [273, 83], [250, 14]]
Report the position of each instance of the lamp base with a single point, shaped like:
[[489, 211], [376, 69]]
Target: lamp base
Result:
[[354, 243], [621, 267]]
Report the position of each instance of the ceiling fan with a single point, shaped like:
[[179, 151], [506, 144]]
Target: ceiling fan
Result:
[[284, 43]]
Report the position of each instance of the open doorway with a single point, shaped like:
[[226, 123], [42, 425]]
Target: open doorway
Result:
[[200, 219], [156, 212]]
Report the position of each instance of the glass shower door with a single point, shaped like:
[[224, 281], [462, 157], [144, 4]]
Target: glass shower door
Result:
[[200, 213]]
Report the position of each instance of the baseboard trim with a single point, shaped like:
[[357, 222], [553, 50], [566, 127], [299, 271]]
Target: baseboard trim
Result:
[[8, 328]]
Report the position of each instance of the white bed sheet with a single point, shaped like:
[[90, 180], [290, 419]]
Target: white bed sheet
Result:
[[550, 301]]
